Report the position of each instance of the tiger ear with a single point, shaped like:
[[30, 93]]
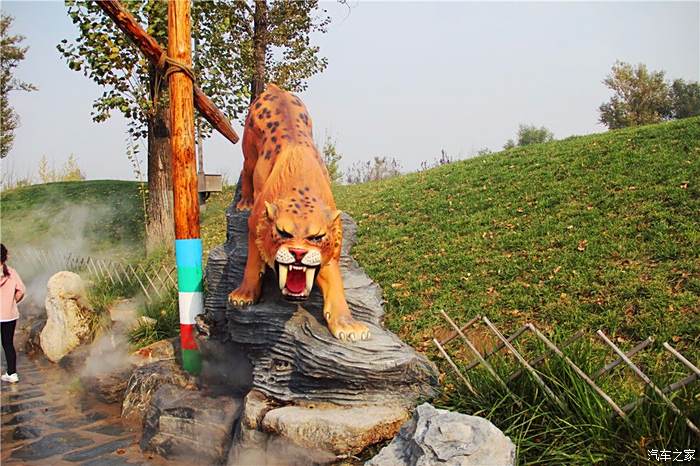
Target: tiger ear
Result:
[[331, 215], [271, 211]]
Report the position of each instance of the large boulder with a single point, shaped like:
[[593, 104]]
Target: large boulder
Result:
[[145, 381], [253, 445], [436, 437], [339, 430], [312, 433], [68, 316], [190, 425]]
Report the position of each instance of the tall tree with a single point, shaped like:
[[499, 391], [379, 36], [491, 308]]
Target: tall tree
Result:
[[263, 41], [260, 45], [224, 62], [136, 89], [640, 97], [685, 98], [11, 54]]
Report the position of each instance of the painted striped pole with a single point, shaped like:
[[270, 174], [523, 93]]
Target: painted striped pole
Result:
[[188, 245], [188, 255]]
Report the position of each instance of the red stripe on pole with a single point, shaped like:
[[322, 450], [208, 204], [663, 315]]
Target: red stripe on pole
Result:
[[187, 337]]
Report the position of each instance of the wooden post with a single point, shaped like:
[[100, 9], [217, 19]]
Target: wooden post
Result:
[[188, 244]]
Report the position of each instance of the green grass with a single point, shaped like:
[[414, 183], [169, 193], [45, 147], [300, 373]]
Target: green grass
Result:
[[598, 231], [103, 218]]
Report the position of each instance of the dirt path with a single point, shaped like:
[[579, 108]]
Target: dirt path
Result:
[[46, 419]]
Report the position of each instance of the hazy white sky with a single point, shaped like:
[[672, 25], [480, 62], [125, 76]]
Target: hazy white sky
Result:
[[404, 79]]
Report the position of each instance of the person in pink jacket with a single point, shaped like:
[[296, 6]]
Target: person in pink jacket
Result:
[[11, 292]]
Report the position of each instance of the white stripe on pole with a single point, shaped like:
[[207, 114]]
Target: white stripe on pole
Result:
[[190, 304]]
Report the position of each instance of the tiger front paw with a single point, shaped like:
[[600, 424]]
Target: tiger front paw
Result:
[[346, 328], [242, 297], [246, 203]]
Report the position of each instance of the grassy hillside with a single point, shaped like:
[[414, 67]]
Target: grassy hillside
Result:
[[593, 232], [599, 231], [102, 217]]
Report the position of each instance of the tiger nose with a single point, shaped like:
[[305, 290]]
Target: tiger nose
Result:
[[298, 253]]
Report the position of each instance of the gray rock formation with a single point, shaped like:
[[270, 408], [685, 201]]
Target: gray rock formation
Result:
[[32, 345], [294, 356], [184, 424], [440, 437], [145, 381], [253, 446], [341, 431]]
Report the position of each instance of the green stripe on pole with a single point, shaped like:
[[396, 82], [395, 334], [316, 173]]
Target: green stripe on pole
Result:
[[189, 279], [192, 361]]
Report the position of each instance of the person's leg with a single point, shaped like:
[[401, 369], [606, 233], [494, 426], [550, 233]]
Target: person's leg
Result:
[[8, 335]]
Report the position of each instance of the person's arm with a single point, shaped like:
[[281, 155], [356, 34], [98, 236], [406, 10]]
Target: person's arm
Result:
[[19, 288]]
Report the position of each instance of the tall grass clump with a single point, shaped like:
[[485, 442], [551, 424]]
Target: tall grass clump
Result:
[[165, 324]]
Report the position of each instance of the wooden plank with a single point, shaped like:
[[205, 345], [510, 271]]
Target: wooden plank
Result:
[[576, 369], [454, 334], [543, 356], [630, 353], [476, 352], [523, 362], [682, 359]]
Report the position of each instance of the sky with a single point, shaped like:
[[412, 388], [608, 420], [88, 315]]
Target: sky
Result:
[[404, 80]]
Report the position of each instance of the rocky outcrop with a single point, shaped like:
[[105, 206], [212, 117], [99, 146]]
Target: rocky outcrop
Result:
[[68, 316], [32, 344], [186, 424], [443, 438], [144, 383], [311, 391], [294, 356], [252, 445]]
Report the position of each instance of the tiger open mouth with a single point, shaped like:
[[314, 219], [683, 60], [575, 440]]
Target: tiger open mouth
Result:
[[296, 280]]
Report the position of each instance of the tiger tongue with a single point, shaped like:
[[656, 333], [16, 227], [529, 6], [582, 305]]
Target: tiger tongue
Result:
[[296, 281]]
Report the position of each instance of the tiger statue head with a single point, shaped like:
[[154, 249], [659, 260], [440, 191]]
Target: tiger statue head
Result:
[[296, 236]]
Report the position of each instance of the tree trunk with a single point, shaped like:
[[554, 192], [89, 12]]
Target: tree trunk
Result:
[[160, 227], [257, 84]]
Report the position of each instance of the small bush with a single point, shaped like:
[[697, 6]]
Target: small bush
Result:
[[69, 172], [379, 168], [444, 159]]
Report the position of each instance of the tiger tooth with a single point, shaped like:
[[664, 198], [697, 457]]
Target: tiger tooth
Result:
[[309, 280], [283, 275]]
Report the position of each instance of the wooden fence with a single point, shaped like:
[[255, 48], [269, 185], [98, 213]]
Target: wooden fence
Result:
[[528, 366], [155, 281]]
